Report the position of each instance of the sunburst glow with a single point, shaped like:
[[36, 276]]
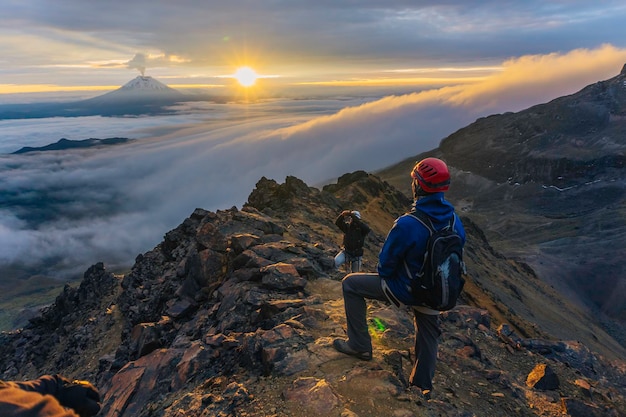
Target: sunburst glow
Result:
[[246, 76]]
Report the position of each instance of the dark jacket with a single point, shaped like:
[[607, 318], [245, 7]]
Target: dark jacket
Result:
[[48, 396], [407, 241], [353, 235], [32, 399]]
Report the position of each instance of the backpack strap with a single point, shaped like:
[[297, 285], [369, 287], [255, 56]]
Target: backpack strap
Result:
[[426, 221], [389, 294], [423, 218], [428, 224]]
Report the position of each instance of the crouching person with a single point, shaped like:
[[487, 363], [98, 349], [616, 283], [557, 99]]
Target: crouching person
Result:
[[48, 396]]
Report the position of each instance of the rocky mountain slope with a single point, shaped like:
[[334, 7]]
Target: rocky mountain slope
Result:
[[64, 144], [547, 185], [233, 314]]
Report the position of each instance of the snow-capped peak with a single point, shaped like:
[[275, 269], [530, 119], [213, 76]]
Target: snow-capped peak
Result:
[[142, 82]]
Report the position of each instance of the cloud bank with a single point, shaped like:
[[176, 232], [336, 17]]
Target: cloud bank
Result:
[[69, 210]]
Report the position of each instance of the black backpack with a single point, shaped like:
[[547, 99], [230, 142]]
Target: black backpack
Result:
[[440, 282]]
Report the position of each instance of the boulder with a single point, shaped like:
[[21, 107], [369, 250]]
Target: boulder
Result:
[[542, 377]]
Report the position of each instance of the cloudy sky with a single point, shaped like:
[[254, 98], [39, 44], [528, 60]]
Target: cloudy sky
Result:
[[446, 63], [77, 44]]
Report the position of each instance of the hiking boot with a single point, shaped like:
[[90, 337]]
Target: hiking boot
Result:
[[420, 394], [342, 346]]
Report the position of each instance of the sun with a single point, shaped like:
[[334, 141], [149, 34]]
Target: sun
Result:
[[246, 76]]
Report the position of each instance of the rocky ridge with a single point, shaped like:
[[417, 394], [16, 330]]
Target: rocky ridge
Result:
[[564, 142], [63, 144], [233, 314]]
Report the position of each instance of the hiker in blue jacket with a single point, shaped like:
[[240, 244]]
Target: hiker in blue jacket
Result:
[[405, 243]]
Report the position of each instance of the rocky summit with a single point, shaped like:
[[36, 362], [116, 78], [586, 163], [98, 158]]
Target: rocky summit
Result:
[[233, 314]]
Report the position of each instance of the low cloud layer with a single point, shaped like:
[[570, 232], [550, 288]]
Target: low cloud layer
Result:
[[73, 209]]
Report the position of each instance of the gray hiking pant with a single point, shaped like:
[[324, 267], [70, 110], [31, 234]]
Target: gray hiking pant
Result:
[[356, 288], [361, 286], [427, 332]]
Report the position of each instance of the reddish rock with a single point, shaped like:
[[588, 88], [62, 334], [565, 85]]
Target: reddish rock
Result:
[[249, 259], [145, 338], [282, 277], [179, 308], [242, 241], [209, 237], [584, 386], [133, 387], [467, 352], [542, 377], [312, 395], [193, 360]]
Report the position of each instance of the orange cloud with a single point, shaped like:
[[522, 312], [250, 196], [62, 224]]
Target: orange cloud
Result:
[[523, 82], [48, 88], [534, 79]]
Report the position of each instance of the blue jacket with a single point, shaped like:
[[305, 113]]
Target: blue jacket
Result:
[[407, 241]]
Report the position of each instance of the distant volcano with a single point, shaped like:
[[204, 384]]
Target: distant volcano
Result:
[[141, 95], [145, 83], [141, 89]]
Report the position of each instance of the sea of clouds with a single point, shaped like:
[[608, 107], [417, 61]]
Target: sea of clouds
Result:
[[74, 208]]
